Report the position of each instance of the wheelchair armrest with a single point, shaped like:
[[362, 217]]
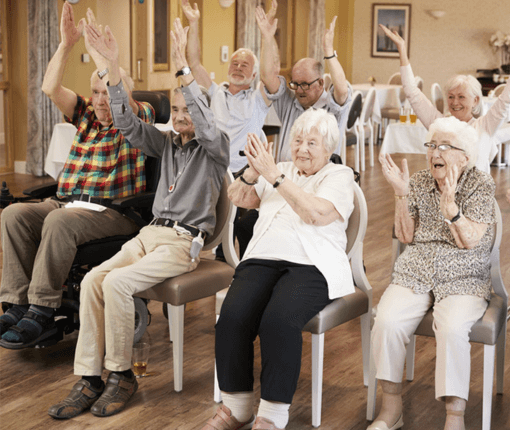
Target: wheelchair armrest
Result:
[[141, 200], [49, 189]]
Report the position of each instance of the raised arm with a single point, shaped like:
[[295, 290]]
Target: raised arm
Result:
[[63, 97], [193, 46], [399, 180], [340, 88], [269, 57], [399, 42]]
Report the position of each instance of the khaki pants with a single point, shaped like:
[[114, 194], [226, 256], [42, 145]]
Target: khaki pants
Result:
[[398, 315], [39, 242], [107, 312]]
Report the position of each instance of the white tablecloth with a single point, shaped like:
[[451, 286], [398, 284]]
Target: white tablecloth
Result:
[[60, 145], [386, 96], [404, 138]]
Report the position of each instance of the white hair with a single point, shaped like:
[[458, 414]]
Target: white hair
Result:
[[465, 136], [471, 84], [324, 122], [255, 59]]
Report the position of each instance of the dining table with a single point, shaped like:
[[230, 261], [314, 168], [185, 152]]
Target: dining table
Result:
[[404, 138]]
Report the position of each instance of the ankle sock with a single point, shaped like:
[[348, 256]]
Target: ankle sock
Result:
[[95, 381], [274, 411], [240, 404], [31, 327]]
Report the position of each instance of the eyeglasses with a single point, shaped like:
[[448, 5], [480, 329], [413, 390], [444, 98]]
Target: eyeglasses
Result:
[[305, 86], [443, 147]]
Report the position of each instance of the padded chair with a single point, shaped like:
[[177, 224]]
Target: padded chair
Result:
[[393, 112], [338, 312], [351, 135], [419, 82], [436, 96], [499, 89], [490, 330], [207, 279], [366, 125]]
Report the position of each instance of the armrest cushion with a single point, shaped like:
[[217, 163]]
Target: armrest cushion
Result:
[[141, 200], [48, 189]]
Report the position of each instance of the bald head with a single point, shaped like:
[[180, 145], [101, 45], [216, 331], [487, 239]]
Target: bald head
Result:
[[310, 71]]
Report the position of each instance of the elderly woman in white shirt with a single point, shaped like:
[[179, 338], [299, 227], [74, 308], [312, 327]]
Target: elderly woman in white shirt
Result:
[[464, 100], [294, 266]]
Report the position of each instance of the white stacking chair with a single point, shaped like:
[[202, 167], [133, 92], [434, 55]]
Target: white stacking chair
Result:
[[395, 79], [338, 312], [351, 130], [436, 96], [419, 82], [366, 125], [490, 330], [499, 89]]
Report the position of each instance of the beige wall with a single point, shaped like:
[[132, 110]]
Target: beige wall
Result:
[[440, 48]]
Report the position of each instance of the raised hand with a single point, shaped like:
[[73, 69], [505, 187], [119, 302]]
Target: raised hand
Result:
[[260, 157], [398, 179], [179, 36], [395, 37], [104, 44], [69, 32], [193, 14], [267, 28], [447, 201], [327, 40], [96, 56], [272, 12]]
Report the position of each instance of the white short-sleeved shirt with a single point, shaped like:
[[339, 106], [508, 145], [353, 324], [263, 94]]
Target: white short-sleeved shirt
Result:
[[321, 246], [237, 115]]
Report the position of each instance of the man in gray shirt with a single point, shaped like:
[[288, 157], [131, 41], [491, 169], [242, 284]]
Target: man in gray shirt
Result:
[[194, 164]]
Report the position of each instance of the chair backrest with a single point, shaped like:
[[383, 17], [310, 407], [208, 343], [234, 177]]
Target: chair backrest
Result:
[[395, 79], [158, 101], [357, 226], [355, 109], [224, 214], [499, 89], [436, 95], [419, 82], [368, 106]]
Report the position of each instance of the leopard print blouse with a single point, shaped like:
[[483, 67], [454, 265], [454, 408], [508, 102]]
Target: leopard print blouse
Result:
[[433, 262]]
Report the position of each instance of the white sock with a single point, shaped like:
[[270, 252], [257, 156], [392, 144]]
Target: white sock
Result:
[[240, 403], [274, 411]]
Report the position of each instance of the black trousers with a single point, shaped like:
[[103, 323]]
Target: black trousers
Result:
[[274, 300]]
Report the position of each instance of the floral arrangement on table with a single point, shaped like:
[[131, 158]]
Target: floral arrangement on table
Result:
[[501, 42]]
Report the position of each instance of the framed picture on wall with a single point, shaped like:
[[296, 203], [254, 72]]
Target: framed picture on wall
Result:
[[395, 17]]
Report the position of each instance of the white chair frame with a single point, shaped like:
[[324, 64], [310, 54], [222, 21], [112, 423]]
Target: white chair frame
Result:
[[367, 121]]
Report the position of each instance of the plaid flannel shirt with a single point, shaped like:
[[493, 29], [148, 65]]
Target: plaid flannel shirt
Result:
[[102, 163]]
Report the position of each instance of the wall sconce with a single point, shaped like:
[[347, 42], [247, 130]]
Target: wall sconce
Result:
[[226, 3], [437, 14]]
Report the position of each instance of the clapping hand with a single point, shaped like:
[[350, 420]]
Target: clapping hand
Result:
[[259, 155], [447, 202], [70, 33], [398, 179]]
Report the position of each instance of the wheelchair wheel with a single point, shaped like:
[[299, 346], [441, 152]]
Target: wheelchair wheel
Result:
[[141, 318]]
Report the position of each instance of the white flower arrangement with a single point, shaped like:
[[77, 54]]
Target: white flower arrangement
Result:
[[501, 42]]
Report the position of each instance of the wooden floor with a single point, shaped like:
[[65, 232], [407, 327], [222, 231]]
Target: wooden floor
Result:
[[32, 380]]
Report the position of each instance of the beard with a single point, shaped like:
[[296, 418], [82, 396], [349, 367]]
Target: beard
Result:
[[239, 81]]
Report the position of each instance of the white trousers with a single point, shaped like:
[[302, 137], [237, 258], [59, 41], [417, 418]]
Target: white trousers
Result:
[[398, 315], [107, 312]]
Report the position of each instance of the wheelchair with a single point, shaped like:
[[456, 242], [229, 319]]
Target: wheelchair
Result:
[[93, 253]]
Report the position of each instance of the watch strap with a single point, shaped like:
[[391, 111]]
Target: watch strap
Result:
[[102, 73], [455, 218], [279, 181], [331, 56]]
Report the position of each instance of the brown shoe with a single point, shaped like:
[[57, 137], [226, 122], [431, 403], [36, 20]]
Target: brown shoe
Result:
[[223, 420], [81, 398], [262, 423], [118, 391]]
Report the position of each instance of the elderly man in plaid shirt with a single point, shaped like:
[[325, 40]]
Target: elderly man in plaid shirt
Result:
[[39, 241]]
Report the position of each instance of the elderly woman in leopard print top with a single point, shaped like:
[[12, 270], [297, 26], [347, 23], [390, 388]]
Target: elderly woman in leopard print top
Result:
[[445, 214]]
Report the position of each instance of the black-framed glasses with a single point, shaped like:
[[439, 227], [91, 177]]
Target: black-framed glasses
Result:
[[305, 86], [443, 147]]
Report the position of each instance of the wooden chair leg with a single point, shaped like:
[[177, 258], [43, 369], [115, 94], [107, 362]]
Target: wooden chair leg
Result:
[[176, 316], [410, 352], [489, 352], [317, 372]]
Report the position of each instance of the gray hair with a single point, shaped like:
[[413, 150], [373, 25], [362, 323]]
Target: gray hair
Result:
[[323, 121], [471, 84], [255, 59], [202, 89], [465, 136]]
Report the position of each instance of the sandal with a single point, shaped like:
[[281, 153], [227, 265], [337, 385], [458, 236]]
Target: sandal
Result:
[[28, 338]]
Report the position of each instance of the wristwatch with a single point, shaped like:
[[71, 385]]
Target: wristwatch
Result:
[[332, 56], [184, 71], [279, 180], [455, 218], [102, 73]]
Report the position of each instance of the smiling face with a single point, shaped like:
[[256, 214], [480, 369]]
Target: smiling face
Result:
[[181, 120], [302, 72], [308, 152], [461, 103], [100, 100], [441, 162], [240, 70]]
